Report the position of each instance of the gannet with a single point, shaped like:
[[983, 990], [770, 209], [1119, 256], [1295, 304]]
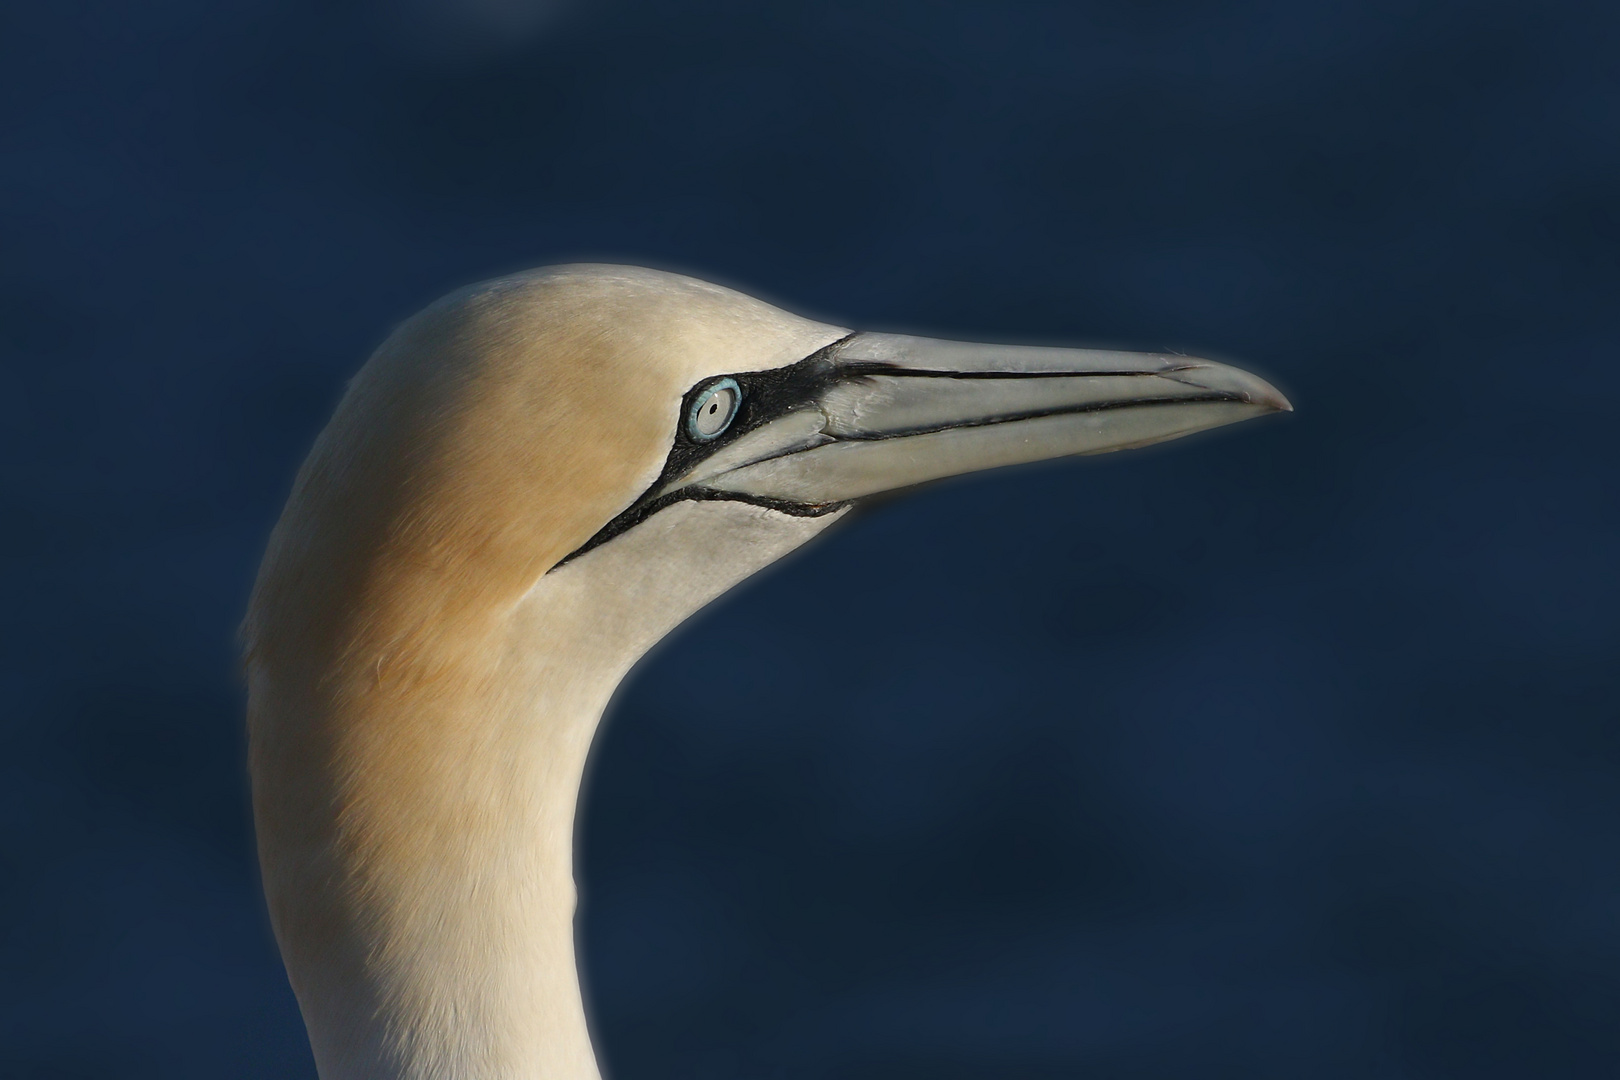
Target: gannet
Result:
[[529, 484]]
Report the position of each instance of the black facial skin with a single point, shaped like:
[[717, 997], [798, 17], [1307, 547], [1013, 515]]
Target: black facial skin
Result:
[[769, 395], [766, 396]]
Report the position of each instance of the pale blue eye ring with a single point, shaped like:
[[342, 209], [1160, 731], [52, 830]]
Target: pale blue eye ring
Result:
[[713, 410]]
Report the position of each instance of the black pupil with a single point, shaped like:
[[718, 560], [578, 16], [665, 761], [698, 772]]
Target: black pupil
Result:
[[713, 406]]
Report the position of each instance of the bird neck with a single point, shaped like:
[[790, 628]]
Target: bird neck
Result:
[[416, 837]]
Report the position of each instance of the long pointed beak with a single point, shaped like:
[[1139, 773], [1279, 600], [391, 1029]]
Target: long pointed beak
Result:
[[894, 411]]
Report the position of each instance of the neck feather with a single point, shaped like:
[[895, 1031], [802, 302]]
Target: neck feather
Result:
[[416, 835]]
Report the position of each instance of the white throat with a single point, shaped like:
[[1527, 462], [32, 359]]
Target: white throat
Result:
[[473, 976]]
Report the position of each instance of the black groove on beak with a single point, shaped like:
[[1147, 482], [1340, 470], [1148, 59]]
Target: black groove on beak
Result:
[[902, 411]]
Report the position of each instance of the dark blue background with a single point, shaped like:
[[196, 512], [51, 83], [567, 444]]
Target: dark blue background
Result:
[[1285, 752]]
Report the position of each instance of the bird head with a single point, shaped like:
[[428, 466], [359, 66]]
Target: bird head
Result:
[[524, 425]]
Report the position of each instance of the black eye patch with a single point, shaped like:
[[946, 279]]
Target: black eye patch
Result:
[[764, 396]]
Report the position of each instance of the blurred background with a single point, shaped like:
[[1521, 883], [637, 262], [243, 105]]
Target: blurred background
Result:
[[1289, 751]]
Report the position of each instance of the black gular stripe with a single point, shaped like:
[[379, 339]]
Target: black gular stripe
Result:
[[770, 395]]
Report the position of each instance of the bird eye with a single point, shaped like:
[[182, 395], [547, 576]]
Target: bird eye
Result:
[[713, 410]]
